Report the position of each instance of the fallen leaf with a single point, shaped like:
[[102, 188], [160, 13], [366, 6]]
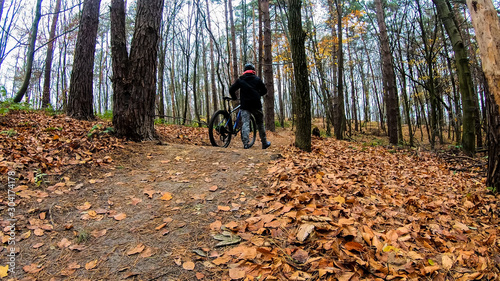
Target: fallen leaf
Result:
[[224, 208], [137, 249], [304, 231], [98, 233], [91, 264], [213, 188], [236, 273], [84, 207], [189, 265], [33, 268], [3, 271], [38, 232], [353, 246], [166, 196], [64, 243], [120, 216], [216, 225], [146, 253], [447, 262]]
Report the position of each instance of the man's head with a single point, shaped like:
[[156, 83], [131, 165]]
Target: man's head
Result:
[[249, 66]]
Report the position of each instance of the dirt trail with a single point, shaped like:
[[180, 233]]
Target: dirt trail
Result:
[[142, 217]]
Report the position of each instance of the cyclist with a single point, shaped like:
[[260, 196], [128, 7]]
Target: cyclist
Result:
[[251, 89]]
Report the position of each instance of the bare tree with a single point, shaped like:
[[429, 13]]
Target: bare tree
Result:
[[268, 67], [487, 27], [31, 53], [302, 97], [81, 97], [134, 76], [388, 77], [50, 55]]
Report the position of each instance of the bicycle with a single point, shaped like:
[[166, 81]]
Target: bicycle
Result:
[[221, 127]]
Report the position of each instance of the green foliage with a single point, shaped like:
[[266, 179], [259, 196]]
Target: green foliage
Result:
[[7, 105], [107, 115], [287, 124], [51, 129], [39, 177], [83, 236], [99, 129], [492, 189], [9, 133], [374, 142]]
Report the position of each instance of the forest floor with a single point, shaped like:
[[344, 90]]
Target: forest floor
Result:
[[89, 206]]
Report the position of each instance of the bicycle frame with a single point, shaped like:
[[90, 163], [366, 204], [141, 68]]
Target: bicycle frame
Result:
[[238, 117]]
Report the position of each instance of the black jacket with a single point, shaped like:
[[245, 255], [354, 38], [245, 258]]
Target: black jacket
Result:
[[251, 89]]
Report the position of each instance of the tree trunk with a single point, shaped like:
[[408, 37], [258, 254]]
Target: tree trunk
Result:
[[487, 27], [268, 68], [134, 80], [215, 100], [236, 74], [31, 53], [388, 77], [302, 101], [50, 54], [80, 102], [339, 107], [464, 74]]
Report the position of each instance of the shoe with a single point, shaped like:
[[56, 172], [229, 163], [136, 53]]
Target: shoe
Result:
[[266, 144]]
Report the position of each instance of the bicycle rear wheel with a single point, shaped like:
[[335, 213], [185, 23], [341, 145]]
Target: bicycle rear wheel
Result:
[[253, 131], [220, 129]]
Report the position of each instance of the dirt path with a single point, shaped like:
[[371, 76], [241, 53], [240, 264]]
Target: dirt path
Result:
[[142, 217]]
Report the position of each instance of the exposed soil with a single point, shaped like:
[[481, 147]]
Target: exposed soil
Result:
[[141, 217]]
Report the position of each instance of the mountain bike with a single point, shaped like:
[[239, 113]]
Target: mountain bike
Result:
[[226, 123]]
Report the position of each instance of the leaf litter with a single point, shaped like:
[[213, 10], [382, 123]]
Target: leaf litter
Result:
[[346, 211]]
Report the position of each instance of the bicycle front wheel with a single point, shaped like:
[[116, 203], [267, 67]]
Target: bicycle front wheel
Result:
[[220, 129]]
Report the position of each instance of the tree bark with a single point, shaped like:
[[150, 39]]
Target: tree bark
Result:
[[268, 68], [81, 99], [388, 77], [31, 53], [302, 98], [50, 55], [134, 76], [236, 74], [215, 100], [464, 74], [339, 108], [487, 27]]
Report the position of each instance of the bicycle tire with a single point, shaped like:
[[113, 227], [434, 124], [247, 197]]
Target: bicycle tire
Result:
[[253, 131], [220, 129]]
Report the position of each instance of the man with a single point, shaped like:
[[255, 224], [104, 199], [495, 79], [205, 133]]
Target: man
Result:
[[251, 89]]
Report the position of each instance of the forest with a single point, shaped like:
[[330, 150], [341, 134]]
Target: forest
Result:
[[422, 75]]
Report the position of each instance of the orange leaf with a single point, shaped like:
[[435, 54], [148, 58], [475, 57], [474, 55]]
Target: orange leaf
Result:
[[216, 225], [189, 265], [147, 253], [224, 208], [91, 265], [236, 273], [32, 268], [353, 246], [137, 249], [213, 188], [166, 196], [64, 243], [84, 207], [120, 216]]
